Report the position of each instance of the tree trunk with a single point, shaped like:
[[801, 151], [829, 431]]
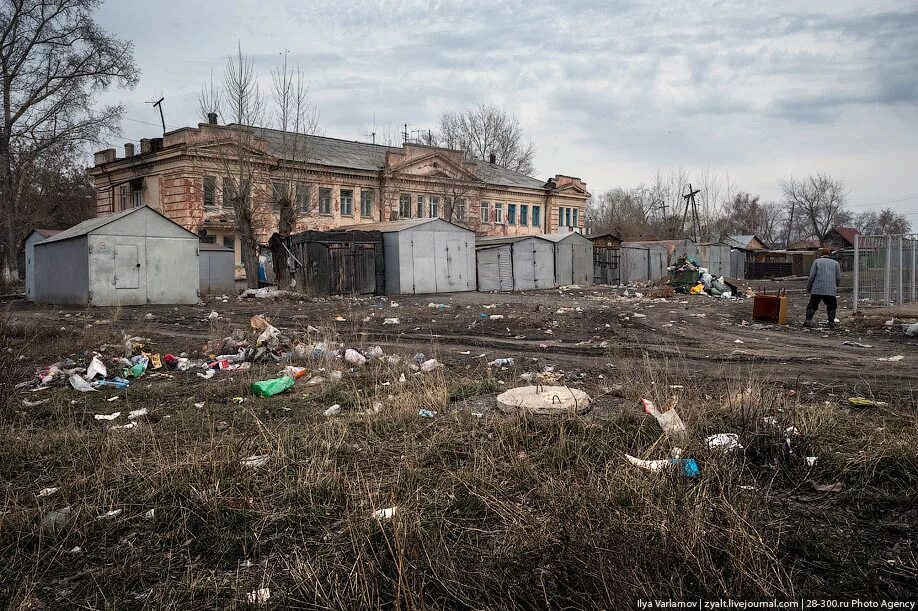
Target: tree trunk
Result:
[[281, 261], [249, 251], [9, 265]]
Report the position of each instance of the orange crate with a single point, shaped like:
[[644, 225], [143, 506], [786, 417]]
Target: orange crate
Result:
[[770, 308]]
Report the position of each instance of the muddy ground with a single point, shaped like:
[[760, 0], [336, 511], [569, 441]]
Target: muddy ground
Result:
[[601, 335]]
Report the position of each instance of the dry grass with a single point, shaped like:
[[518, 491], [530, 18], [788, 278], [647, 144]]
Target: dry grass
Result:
[[501, 511]]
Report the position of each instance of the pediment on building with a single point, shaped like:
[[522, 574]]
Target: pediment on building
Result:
[[227, 148], [571, 188], [435, 165]]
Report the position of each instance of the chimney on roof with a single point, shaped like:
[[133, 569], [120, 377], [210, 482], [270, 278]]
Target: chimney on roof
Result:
[[128, 149], [144, 145], [156, 145], [104, 156], [493, 159], [212, 118]]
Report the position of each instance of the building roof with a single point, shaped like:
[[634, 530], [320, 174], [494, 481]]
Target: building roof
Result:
[[90, 225], [93, 224], [46, 233], [608, 234], [489, 241], [557, 237], [848, 233], [664, 243], [371, 157], [392, 226]]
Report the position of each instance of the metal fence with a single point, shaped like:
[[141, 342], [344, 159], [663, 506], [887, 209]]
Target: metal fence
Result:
[[884, 269]]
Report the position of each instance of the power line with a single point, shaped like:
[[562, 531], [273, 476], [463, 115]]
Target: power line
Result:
[[883, 202]]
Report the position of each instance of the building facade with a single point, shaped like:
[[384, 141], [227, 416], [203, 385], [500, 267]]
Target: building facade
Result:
[[188, 175]]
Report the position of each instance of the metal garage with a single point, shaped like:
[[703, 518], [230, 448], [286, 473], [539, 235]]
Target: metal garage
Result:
[[425, 255], [519, 263], [573, 258], [130, 258], [643, 263], [217, 269], [34, 238]]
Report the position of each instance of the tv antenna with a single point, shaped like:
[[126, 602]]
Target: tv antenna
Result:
[[159, 104], [690, 201], [372, 134]]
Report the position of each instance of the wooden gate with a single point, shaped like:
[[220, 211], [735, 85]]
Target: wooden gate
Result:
[[338, 262], [606, 265]]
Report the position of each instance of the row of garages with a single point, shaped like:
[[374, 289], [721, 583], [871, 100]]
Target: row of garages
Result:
[[617, 262], [140, 257]]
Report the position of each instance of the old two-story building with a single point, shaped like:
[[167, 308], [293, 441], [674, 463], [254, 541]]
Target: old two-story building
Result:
[[188, 176]]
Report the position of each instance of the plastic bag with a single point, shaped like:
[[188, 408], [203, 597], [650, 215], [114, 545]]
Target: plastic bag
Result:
[[96, 368], [269, 388], [80, 384]]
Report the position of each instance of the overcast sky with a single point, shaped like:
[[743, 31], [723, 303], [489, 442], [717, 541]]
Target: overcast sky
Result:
[[608, 91]]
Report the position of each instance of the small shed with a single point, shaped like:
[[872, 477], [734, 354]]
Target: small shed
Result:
[[32, 239], [748, 241], [217, 268], [134, 257], [519, 263], [427, 255], [335, 262], [573, 258], [643, 262], [715, 257], [674, 248], [606, 258]]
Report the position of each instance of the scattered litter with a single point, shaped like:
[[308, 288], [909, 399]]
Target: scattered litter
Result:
[[724, 442], [80, 384], [503, 362], [260, 596], [836, 487], [256, 461], [391, 321], [384, 514], [811, 460], [113, 399], [496, 317], [669, 420], [115, 382], [109, 514], [638, 315], [340, 318], [96, 368], [56, 520], [864, 402], [213, 315], [545, 399], [269, 388], [207, 374], [334, 410], [235, 400], [137, 413], [28, 403], [426, 413], [150, 514], [354, 358], [912, 330], [47, 492], [738, 341], [123, 427], [892, 359], [107, 416], [688, 466], [438, 306], [429, 365], [200, 404], [856, 344]]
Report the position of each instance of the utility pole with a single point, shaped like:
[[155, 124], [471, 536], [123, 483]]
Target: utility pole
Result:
[[690, 200], [159, 103], [405, 134], [790, 223]]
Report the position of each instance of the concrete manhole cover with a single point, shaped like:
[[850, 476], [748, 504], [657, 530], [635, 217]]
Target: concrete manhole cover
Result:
[[545, 399]]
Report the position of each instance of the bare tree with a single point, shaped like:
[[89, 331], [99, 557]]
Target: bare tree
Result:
[[818, 199], [53, 60], [484, 131], [746, 214], [236, 151], [885, 222], [628, 213]]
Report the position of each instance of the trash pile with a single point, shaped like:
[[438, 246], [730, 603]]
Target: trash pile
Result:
[[688, 277]]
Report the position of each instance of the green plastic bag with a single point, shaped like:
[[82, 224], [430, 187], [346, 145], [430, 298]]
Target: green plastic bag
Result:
[[135, 371], [269, 388]]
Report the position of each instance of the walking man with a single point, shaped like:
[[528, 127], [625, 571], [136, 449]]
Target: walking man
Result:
[[825, 276]]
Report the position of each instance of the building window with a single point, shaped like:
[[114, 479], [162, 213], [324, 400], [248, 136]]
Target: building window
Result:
[[229, 241], [420, 206], [325, 200], [434, 207], [524, 214], [511, 214], [537, 216], [567, 217], [302, 197], [499, 214], [460, 209], [138, 197], [209, 239], [485, 212], [125, 197], [366, 202], [404, 206], [210, 192], [229, 191], [347, 202], [278, 193], [576, 214]]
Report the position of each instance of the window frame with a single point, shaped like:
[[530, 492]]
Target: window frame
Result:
[[213, 191], [433, 207], [231, 237], [301, 197], [275, 200], [227, 190], [350, 201], [575, 217], [368, 212], [461, 209], [484, 212], [404, 203], [125, 196], [511, 214], [536, 215], [499, 213], [524, 215], [421, 203], [325, 209]]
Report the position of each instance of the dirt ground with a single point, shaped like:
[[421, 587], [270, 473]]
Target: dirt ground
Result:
[[495, 508], [607, 334]]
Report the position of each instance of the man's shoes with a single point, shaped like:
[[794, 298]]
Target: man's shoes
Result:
[[832, 325], [808, 323]]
